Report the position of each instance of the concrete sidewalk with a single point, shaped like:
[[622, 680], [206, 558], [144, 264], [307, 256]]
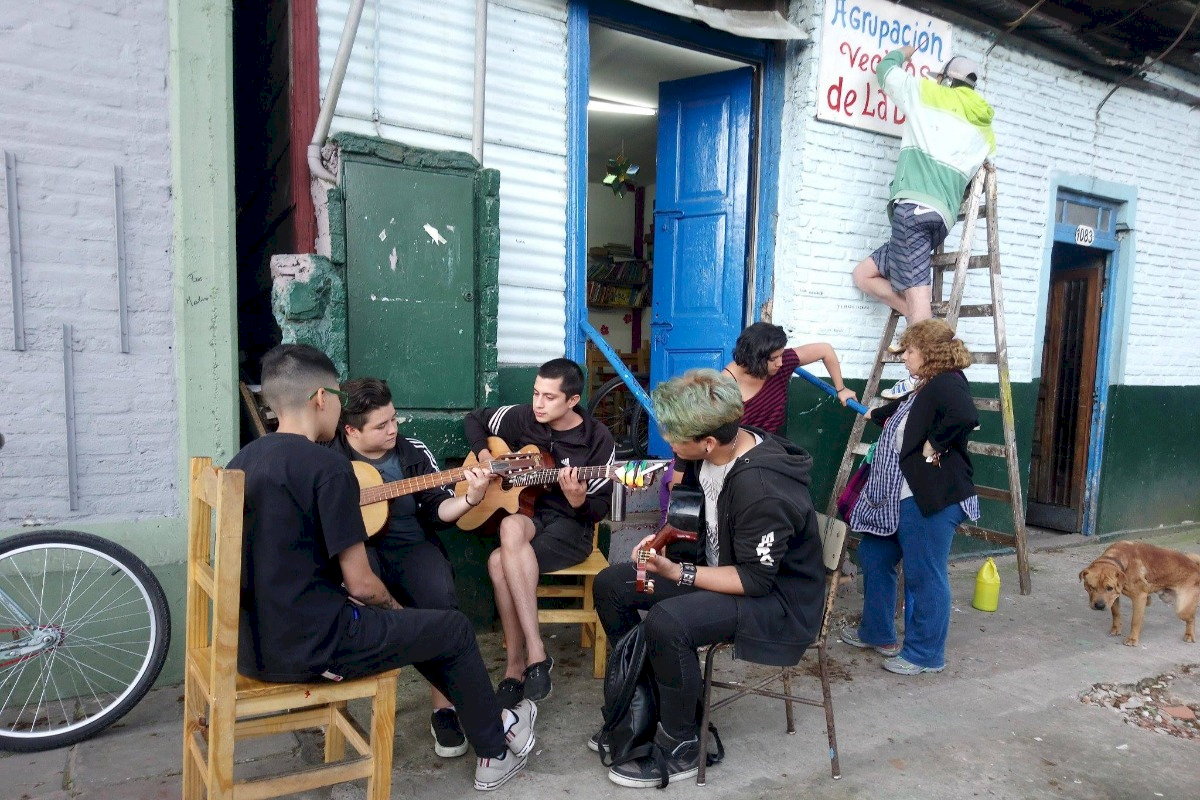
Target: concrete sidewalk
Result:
[[1004, 720]]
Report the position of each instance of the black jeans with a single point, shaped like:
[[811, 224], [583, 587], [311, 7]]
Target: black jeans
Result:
[[441, 645], [416, 573], [680, 619]]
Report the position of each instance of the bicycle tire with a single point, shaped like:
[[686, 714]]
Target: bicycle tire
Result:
[[615, 406], [113, 626]]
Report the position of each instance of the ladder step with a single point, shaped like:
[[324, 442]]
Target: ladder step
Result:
[[946, 261], [986, 449], [861, 449], [992, 493], [995, 537], [983, 358], [943, 308], [987, 403]]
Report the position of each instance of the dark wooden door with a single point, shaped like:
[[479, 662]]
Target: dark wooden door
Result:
[[1063, 419]]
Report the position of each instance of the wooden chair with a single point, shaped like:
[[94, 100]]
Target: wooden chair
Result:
[[222, 707], [591, 632], [833, 540]]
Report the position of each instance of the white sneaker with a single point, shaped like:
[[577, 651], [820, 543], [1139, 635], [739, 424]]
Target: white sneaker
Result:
[[492, 773], [519, 735], [902, 388]]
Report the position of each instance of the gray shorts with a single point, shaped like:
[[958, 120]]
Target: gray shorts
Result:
[[560, 541], [906, 259]]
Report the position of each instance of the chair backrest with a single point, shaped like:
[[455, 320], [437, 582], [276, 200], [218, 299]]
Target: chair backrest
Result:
[[214, 569], [833, 541], [833, 545]]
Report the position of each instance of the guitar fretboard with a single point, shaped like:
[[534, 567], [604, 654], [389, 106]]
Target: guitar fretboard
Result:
[[377, 494], [534, 477]]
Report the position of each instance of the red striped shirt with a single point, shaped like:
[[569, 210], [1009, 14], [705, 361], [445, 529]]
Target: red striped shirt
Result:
[[768, 408]]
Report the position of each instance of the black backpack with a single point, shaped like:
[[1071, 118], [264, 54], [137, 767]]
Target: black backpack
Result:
[[630, 699], [631, 705]]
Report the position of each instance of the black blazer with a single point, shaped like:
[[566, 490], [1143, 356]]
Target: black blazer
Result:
[[944, 414]]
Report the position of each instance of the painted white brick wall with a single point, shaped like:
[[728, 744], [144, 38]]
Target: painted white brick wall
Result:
[[82, 89], [833, 191]]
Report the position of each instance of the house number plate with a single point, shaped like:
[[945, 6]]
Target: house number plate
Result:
[[1085, 235]]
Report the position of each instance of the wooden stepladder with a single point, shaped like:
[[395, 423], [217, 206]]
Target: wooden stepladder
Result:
[[980, 196]]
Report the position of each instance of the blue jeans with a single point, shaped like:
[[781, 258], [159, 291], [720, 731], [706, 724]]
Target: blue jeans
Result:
[[924, 544]]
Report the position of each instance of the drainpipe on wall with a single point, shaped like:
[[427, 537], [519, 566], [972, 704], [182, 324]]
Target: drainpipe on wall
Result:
[[325, 119], [481, 8]]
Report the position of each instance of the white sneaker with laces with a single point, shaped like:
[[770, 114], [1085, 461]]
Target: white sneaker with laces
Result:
[[519, 734], [492, 773], [902, 388]]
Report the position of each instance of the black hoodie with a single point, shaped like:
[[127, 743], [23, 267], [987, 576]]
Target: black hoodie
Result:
[[588, 444], [768, 531]]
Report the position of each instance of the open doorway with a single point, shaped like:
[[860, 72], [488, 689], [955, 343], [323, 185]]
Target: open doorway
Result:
[[685, 116]]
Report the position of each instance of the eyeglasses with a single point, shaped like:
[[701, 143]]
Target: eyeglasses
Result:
[[340, 394]]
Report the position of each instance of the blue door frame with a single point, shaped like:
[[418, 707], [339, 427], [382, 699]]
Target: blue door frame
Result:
[[1104, 238], [768, 60]]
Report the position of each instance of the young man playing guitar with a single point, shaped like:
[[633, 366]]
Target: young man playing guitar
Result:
[[560, 532], [760, 580], [412, 559], [312, 608]]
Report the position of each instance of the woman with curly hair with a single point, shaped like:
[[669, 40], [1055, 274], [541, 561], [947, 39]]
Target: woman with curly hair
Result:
[[919, 490]]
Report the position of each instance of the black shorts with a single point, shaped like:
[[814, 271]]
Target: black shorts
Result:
[[559, 542]]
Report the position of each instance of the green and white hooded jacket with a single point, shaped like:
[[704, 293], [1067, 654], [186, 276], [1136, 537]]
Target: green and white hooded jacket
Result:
[[947, 137]]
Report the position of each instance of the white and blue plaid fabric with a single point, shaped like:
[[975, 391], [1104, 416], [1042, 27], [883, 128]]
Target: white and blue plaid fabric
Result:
[[878, 508]]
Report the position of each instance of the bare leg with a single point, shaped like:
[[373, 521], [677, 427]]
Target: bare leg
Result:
[[440, 700], [868, 278], [521, 575], [919, 300], [514, 640]]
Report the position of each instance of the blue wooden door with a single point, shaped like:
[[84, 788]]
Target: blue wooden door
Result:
[[704, 131]]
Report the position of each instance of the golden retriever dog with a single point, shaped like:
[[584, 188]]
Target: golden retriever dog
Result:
[[1138, 570]]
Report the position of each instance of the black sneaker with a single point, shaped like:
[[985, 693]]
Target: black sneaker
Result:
[[594, 743], [448, 738], [670, 760], [510, 692], [537, 680]]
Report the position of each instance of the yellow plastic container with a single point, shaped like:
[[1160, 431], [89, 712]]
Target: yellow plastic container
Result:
[[987, 587]]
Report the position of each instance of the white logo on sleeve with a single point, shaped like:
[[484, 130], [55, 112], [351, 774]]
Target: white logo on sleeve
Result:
[[764, 549]]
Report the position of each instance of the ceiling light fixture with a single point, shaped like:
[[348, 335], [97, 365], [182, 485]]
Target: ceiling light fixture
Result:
[[609, 107]]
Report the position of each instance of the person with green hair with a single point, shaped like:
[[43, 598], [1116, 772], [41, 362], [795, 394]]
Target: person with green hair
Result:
[[758, 582]]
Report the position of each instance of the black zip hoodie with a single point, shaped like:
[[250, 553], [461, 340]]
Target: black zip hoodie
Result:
[[586, 445], [768, 531]]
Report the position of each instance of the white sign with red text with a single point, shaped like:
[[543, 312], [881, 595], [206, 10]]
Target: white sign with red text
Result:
[[855, 36]]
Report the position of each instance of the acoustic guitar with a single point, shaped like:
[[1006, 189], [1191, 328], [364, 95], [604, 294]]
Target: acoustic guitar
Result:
[[374, 494], [683, 525], [516, 492]]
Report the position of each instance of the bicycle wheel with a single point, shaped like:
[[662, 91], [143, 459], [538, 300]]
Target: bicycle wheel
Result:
[[615, 406], [84, 630]]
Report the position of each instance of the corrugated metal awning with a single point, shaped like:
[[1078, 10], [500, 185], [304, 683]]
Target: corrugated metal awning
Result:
[[754, 19]]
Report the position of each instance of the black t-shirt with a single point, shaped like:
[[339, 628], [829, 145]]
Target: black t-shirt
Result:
[[301, 511]]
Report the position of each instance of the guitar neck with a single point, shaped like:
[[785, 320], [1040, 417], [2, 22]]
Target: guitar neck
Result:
[[535, 477], [386, 491]]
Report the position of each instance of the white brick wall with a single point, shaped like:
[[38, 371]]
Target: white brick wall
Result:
[[833, 192], [83, 88]]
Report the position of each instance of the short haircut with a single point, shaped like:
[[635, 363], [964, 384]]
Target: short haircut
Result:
[[292, 372], [363, 395], [941, 350], [565, 370], [698, 403], [755, 345]]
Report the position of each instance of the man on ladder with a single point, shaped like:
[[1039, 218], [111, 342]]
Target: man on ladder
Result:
[[947, 137]]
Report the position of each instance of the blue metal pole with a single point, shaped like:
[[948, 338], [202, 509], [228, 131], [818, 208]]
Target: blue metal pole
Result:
[[825, 387], [633, 383]]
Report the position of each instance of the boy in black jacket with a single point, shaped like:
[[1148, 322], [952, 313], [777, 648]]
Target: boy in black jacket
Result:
[[412, 559], [560, 533], [760, 580]]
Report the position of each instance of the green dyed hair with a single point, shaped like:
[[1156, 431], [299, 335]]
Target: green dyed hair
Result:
[[698, 403]]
